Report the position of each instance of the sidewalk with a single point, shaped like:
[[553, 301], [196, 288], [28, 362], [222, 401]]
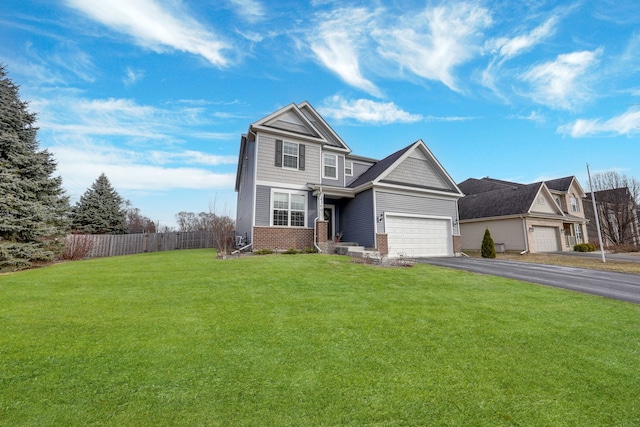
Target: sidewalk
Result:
[[628, 256]]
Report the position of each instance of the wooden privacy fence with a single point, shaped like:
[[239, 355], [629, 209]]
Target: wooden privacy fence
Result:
[[104, 245]]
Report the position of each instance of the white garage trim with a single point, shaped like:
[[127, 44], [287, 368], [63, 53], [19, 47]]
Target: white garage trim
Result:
[[413, 236], [545, 239]]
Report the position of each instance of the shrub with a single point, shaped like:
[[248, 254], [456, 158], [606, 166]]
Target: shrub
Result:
[[584, 247], [263, 252], [77, 247], [310, 250], [290, 251], [488, 250]]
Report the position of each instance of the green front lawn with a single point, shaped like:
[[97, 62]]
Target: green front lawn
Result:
[[179, 338]]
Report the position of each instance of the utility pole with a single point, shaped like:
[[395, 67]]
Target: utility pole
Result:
[[595, 212]]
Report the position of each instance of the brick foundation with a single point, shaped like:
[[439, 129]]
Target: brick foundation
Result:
[[457, 245], [321, 231], [382, 244], [282, 238]]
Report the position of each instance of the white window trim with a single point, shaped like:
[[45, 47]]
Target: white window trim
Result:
[[335, 156], [345, 167], [575, 203], [289, 192], [297, 156]]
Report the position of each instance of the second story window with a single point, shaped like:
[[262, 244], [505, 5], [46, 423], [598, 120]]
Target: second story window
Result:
[[348, 168], [575, 206], [330, 166], [289, 155]]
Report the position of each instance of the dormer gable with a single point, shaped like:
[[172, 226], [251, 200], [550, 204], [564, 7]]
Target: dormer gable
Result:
[[290, 121], [544, 202]]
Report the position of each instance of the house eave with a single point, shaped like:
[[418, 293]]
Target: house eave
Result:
[[284, 133]]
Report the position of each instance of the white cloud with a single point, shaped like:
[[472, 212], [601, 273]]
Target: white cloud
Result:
[[190, 157], [155, 26], [510, 47], [128, 170], [132, 76], [627, 123], [433, 43], [365, 110], [339, 40], [562, 83], [251, 10]]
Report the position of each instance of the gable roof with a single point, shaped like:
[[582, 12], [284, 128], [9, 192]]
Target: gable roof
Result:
[[301, 120], [383, 168], [501, 202], [477, 186], [378, 168]]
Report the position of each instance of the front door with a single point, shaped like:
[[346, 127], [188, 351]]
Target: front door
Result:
[[329, 216]]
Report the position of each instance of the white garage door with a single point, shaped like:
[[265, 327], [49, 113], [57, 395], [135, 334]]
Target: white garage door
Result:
[[418, 237], [545, 239]]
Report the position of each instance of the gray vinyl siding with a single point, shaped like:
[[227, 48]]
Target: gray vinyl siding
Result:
[[267, 171], [356, 220], [418, 172], [417, 205], [358, 169], [244, 210], [263, 206]]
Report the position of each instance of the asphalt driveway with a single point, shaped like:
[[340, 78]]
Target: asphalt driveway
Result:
[[620, 286]]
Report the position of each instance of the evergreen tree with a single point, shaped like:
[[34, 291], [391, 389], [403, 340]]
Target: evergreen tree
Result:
[[33, 206], [100, 210], [488, 250]]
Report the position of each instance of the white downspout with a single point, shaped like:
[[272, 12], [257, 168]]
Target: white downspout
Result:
[[526, 236], [315, 225]]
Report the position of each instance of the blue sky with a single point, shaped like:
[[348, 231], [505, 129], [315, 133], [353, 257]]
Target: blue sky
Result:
[[156, 94]]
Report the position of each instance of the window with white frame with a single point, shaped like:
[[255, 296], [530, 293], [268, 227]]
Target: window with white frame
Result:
[[348, 168], [578, 231], [290, 155], [330, 166], [575, 206], [288, 208]]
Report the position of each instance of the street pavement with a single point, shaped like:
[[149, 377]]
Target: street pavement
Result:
[[620, 286]]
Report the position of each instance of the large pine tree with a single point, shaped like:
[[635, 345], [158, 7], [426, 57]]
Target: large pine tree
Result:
[[100, 210], [33, 206]]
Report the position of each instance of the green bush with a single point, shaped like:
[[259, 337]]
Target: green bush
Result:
[[584, 247], [290, 251], [263, 252], [309, 250], [488, 249]]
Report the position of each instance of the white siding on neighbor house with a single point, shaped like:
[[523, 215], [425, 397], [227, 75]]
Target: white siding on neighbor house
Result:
[[420, 172], [267, 171], [414, 204], [507, 231]]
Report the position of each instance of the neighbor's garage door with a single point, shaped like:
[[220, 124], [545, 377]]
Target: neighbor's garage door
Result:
[[545, 239], [418, 237]]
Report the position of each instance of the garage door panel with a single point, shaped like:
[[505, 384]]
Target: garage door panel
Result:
[[416, 237], [545, 239]]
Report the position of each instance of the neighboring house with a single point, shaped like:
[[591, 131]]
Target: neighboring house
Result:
[[300, 186], [541, 217], [619, 217]]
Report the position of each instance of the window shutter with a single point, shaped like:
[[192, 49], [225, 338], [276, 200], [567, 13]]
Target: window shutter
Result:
[[279, 152], [301, 157]]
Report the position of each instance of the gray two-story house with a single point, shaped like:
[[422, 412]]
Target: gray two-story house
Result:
[[299, 186]]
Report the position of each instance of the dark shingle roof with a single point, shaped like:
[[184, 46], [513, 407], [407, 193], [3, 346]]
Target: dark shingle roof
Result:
[[560, 184], [378, 168], [512, 200], [477, 186]]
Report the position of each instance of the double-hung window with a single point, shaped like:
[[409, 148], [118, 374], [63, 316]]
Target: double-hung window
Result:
[[330, 166], [290, 155], [348, 168], [288, 209]]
